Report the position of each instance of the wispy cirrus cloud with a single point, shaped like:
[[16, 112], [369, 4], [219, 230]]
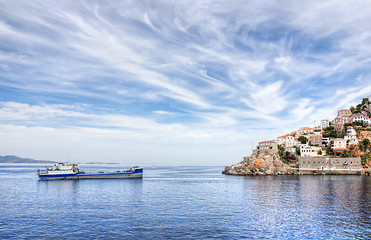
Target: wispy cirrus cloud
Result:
[[181, 70]]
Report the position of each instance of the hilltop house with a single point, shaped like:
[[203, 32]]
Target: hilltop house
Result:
[[344, 116], [361, 118], [267, 146], [344, 113], [305, 131]]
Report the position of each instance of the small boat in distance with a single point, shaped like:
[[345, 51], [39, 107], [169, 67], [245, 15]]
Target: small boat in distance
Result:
[[70, 171]]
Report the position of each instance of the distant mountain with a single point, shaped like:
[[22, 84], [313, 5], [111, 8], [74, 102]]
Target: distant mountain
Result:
[[15, 159]]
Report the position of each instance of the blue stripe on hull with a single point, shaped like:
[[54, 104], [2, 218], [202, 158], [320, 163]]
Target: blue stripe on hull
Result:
[[56, 175]]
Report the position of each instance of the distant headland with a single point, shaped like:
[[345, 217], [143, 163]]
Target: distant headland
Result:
[[338, 146], [15, 159]]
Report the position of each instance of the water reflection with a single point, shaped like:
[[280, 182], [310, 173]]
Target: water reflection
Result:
[[186, 202], [57, 186], [312, 202]]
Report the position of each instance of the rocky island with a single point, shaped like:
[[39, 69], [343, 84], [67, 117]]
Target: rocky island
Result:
[[339, 146]]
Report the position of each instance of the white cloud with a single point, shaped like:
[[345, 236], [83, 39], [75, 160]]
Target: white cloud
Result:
[[214, 71], [267, 99]]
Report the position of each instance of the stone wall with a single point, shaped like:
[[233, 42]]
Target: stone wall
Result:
[[326, 163]]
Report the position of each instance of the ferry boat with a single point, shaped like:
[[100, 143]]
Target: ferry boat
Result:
[[71, 171]]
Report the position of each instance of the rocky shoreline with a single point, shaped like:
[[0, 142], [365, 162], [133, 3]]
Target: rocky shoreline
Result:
[[246, 171], [269, 163]]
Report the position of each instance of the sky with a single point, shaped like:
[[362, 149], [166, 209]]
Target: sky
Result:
[[174, 82]]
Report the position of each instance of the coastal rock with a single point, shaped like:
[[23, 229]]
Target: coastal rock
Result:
[[260, 164]]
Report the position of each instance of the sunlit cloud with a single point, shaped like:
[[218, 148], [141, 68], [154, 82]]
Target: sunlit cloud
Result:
[[200, 76]]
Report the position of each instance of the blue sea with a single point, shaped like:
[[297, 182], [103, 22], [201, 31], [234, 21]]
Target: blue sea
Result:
[[183, 203]]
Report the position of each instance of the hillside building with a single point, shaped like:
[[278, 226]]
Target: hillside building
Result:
[[310, 151], [351, 139], [344, 116], [290, 149], [316, 139], [267, 146], [286, 140], [305, 131], [338, 145], [324, 123]]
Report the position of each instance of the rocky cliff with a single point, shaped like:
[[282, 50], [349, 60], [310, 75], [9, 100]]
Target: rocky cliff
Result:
[[264, 163]]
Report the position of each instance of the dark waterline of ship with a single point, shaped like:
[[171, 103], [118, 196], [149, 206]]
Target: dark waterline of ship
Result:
[[184, 203]]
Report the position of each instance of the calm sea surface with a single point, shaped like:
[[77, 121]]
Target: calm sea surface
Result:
[[183, 203]]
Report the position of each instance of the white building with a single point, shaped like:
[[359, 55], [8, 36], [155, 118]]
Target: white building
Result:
[[338, 145], [351, 139], [310, 151], [290, 149], [281, 140], [324, 123], [286, 140], [367, 120], [305, 131], [361, 118]]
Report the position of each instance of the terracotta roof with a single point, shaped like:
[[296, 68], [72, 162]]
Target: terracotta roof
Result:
[[338, 139], [266, 141], [339, 148], [288, 147], [305, 128], [283, 136], [316, 135], [344, 109], [324, 120]]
